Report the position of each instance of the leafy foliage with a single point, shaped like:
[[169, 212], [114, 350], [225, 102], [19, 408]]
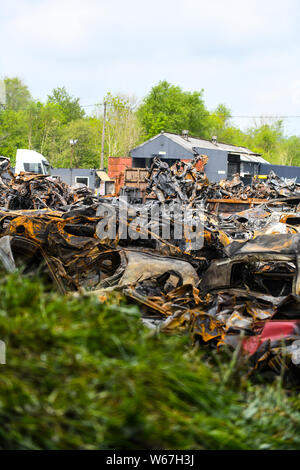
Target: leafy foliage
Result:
[[70, 107], [292, 148], [86, 152], [169, 108], [13, 132], [81, 374], [123, 130], [18, 96]]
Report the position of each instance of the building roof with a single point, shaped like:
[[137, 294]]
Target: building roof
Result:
[[194, 144]]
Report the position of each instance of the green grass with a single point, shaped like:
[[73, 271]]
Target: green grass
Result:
[[84, 375]]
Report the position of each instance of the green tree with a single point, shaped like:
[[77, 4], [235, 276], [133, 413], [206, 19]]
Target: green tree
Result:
[[18, 96], [13, 132], [44, 127], [220, 122], [268, 139], [292, 148], [69, 105], [25, 123], [169, 108], [123, 130], [87, 132]]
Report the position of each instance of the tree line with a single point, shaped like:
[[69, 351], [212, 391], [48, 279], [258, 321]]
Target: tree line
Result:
[[48, 127]]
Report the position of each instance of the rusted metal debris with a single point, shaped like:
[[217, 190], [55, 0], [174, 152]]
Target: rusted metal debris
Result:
[[31, 191], [185, 183], [239, 286]]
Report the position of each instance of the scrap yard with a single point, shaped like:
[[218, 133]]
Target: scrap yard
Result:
[[217, 260], [150, 229]]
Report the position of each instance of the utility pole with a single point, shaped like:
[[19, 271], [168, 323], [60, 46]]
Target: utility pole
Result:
[[103, 138], [71, 156], [72, 144]]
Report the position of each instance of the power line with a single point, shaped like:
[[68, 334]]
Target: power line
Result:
[[131, 108], [109, 104], [263, 116], [209, 113]]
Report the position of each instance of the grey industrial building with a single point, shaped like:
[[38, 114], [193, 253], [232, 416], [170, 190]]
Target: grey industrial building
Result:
[[72, 176], [223, 159], [94, 179]]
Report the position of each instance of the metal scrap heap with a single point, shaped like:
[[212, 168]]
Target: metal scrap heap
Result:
[[32, 191], [227, 279], [185, 183]]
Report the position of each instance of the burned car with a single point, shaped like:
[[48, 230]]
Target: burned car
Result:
[[267, 264]]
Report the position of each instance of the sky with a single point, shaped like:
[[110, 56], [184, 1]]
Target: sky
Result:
[[244, 54]]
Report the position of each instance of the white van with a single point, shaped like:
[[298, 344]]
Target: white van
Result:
[[32, 161]]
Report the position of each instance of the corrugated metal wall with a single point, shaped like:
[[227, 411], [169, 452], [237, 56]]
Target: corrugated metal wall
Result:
[[217, 165], [163, 147], [281, 170]]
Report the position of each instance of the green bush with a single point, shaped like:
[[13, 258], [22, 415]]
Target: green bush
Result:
[[86, 375]]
